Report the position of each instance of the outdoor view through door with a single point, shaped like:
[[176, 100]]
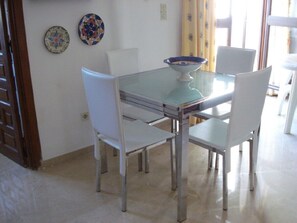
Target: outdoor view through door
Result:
[[269, 26], [239, 24], [279, 36]]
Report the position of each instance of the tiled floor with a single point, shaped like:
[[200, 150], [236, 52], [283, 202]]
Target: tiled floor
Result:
[[66, 192]]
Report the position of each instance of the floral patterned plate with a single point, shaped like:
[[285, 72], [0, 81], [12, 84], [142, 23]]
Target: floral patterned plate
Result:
[[91, 29], [56, 39]]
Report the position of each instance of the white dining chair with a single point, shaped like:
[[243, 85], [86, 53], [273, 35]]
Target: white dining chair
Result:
[[124, 62], [284, 91], [244, 123], [128, 137], [230, 60]]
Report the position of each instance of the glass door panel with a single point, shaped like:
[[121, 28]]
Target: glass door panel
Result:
[[280, 8], [280, 37], [239, 24]]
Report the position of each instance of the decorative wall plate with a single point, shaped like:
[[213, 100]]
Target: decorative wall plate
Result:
[[56, 39], [91, 29]]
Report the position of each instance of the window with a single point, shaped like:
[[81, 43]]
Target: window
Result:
[[279, 36], [239, 23]]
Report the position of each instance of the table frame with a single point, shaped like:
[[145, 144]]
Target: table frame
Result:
[[181, 114]]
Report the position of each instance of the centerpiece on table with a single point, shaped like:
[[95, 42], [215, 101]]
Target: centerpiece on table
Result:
[[185, 65]]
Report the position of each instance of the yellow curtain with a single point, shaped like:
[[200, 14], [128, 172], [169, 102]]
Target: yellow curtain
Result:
[[198, 32]]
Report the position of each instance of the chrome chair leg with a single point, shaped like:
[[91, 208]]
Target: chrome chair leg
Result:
[[123, 172], [225, 185], [103, 155], [98, 175], [173, 160], [174, 126], [173, 165], [146, 161], [240, 147], [252, 172], [114, 152], [124, 193], [210, 158], [217, 161], [140, 157]]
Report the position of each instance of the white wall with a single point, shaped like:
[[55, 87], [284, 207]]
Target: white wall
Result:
[[57, 85]]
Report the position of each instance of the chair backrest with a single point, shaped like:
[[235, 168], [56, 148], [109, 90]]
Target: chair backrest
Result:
[[247, 104], [103, 100], [232, 60], [123, 61]]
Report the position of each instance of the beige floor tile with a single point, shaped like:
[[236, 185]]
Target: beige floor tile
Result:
[[65, 192]]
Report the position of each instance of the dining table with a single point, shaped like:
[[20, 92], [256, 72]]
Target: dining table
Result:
[[161, 91]]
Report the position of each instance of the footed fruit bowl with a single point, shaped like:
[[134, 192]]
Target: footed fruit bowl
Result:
[[185, 65]]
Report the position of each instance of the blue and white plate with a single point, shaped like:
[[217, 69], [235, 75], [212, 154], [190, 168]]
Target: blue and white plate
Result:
[[56, 39], [91, 29]]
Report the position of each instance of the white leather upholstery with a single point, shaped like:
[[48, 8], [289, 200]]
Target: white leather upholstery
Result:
[[233, 60], [230, 60], [103, 101], [123, 62], [244, 123]]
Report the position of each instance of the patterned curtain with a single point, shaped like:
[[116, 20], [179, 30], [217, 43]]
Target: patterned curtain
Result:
[[198, 33], [198, 30]]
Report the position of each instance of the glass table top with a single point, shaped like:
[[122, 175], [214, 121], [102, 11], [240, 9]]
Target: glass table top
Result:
[[162, 86]]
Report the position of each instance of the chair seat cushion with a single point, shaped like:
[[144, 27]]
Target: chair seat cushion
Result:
[[132, 112], [212, 133], [139, 135], [221, 111]]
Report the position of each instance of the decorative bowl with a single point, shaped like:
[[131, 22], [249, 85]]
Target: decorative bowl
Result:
[[185, 65]]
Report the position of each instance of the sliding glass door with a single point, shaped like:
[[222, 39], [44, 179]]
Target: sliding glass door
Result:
[[279, 37], [239, 24]]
